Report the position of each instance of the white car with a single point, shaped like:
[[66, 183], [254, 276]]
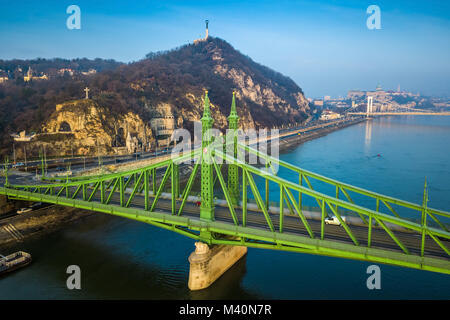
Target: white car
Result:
[[23, 210], [334, 220]]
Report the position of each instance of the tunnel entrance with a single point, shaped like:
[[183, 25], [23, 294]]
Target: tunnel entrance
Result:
[[64, 127]]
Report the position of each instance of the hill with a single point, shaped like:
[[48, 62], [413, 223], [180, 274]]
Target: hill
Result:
[[174, 80]]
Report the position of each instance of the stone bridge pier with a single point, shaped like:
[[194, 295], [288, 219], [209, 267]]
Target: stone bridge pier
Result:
[[7, 205], [208, 263]]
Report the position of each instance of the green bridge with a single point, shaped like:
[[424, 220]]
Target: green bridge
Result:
[[231, 211]]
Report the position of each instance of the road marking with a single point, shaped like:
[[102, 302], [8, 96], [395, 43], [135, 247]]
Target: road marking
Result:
[[13, 232]]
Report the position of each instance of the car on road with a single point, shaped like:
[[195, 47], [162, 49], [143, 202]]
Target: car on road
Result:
[[19, 164], [24, 210], [334, 220], [36, 205]]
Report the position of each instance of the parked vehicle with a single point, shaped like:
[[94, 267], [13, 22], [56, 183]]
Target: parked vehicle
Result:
[[63, 173], [36, 205]]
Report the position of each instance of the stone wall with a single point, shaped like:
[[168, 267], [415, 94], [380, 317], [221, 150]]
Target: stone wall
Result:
[[6, 205]]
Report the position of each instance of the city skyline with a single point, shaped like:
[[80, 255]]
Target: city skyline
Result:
[[326, 47]]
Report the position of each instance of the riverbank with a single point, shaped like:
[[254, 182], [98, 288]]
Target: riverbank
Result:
[[46, 220], [290, 142], [287, 139], [16, 228]]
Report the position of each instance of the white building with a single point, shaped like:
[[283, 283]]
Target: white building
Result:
[[329, 115]]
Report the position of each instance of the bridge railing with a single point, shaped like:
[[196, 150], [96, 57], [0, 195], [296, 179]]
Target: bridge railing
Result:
[[123, 184]]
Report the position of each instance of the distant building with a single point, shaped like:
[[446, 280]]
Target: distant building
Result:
[[329, 115], [132, 143], [326, 98], [22, 137], [162, 124], [378, 88], [341, 104], [318, 103], [89, 72], [63, 71], [355, 94], [30, 76]]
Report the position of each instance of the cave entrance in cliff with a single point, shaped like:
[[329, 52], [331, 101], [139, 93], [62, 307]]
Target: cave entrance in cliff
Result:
[[120, 140], [64, 127]]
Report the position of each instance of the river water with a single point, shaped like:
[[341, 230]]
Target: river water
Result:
[[124, 259]]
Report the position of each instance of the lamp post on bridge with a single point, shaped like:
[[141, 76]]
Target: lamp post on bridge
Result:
[[6, 171], [41, 155]]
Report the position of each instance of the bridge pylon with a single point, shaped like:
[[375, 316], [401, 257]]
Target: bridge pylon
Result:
[[207, 182], [233, 169], [369, 109]]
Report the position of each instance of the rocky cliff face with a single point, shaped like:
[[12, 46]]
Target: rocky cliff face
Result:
[[265, 98], [83, 127]]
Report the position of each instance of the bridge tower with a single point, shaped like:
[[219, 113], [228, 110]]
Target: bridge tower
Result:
[[207, 192], [369, 105], [233, 170], [209, 261]]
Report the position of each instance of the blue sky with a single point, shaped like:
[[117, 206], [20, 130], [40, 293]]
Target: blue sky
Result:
[[324, 46]]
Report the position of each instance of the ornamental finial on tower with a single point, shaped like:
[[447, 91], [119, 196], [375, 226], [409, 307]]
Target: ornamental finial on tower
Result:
[[207, 120], [206, 104], [233, 104]]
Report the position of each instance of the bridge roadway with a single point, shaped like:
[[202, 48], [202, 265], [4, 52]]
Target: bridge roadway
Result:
[[293, 225]]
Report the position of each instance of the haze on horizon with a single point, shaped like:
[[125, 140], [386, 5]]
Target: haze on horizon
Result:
[[324, 46]]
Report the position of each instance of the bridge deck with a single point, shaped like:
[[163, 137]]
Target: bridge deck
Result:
[[257, 233], [293, 225]]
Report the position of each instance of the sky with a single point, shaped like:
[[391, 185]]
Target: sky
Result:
[[324, 46]]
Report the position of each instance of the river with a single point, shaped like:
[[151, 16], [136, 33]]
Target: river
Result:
[[124, 259]]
